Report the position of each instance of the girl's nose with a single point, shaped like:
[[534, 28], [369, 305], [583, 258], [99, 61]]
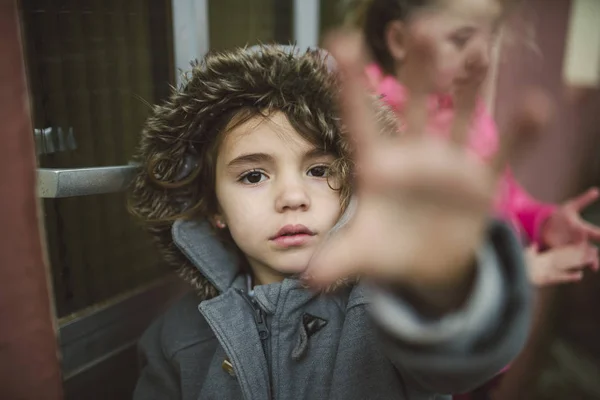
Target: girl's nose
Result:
[[292, 196]]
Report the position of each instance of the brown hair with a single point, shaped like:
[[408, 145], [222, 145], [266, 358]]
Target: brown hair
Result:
[[180, 140], [373, 18]]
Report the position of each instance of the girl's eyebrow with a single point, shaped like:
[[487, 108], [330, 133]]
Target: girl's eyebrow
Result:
[[251, 158], [256, 158], [465, 30], [316, 153]]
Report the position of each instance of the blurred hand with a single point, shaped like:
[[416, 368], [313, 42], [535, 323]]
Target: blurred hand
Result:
[[423, 204], [561, 264], [565, 225]]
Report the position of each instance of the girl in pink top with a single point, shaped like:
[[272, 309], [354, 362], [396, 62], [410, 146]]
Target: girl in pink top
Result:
[[464, 32]]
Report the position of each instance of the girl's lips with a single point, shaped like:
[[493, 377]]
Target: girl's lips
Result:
[[292, 236], [291, 230], [292, 240]]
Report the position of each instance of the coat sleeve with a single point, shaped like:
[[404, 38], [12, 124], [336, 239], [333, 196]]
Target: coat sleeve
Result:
[[158, 378], [469, 346], [530, 212]]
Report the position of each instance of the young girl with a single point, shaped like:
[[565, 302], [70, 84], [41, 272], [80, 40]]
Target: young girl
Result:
[[246, 173], [464, 31]]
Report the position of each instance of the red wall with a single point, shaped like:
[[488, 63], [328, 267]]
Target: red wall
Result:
[[29, 367]]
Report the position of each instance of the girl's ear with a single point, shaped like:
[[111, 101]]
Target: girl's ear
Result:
[[218, 221], [395, 40]]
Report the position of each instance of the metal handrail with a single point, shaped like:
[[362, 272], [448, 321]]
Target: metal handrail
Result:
[[57, 183]]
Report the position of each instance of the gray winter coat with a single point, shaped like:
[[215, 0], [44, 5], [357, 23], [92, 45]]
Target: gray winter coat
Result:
[[362, 342]]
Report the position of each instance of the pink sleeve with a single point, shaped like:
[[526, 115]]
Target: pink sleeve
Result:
[[516, 202], [529, 212]]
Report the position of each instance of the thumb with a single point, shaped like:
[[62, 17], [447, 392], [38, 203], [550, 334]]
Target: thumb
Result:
[[531, 253], [533, 248], [572, 256], [338, 258]]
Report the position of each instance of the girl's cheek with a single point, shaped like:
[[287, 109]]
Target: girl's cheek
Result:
[[446, 65], [444, 79]]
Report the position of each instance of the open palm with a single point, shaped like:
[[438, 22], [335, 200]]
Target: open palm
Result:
[[423, 203]]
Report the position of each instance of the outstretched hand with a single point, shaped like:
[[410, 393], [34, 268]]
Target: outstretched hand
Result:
[[565, 226], [563, 264], [423, 204]]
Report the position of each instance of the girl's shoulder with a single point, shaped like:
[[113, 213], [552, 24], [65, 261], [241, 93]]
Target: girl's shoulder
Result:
[[180, 327], [386, 86]]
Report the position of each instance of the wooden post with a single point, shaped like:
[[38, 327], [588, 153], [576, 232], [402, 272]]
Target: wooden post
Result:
[[29, 367]]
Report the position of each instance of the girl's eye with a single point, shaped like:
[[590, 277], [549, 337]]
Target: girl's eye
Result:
[[320, 171], [459, 41], [253, 177], [461, 37]]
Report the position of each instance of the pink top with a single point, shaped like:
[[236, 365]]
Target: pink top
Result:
[[512, 203]]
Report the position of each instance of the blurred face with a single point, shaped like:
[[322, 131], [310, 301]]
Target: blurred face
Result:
[[463, 33], [272, 189]]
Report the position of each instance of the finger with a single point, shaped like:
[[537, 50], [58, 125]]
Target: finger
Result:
[[591, 231], [573, 256], [585, 199], [419, 75], [426, 171], [530, 118], [466, 95], [593, 259], [595, 264], [567, 277], [347, 50]]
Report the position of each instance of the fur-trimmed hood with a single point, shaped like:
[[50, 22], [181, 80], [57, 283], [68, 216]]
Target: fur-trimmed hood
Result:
[[168, 186]]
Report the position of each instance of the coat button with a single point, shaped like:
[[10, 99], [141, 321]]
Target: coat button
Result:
[[228, 367]]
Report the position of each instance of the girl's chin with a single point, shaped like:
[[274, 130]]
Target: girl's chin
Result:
[[292, 270]]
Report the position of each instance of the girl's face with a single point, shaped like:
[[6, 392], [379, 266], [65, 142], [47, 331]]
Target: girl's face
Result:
[[463, 33], [272, 189]]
